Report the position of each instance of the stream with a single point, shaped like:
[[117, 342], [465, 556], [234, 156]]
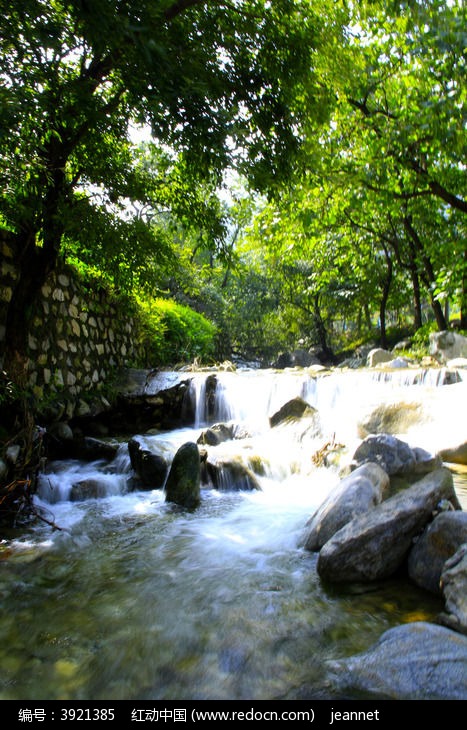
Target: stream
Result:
[[136, 598]]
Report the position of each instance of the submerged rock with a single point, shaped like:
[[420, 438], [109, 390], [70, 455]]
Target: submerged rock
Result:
[[457, 362], [88, 489], [354, 495], [375, 544], [440, 540], [184, 479], [296, 358], [416, 661]]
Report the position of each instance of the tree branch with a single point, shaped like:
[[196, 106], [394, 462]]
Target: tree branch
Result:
[[453, 200], [180, 6]]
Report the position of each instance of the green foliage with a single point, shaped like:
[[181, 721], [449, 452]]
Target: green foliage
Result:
[[224, 85], [375, 226], [350, 118], [420, 342], [175, 333]]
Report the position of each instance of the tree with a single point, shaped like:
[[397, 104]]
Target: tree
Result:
[[378, 214], [402, 114], [224, 83]]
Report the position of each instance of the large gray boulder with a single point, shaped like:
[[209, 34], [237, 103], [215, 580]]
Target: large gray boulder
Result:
[[439, 541], [361, 490], [394, 456], [378, 356], [184, 479], [416, 661], [454, 585], [375, 544], [446, 346]]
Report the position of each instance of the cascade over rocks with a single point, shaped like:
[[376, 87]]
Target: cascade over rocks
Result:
[[374, 545], [88, 489], [415, 661], [439, 541], [230, 473], [361, 533], [184, 479], [354, 495]]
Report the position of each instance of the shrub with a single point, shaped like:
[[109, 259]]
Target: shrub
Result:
[[175, 333]]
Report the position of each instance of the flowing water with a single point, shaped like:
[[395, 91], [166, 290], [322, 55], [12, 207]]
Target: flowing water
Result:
[[135, 598]]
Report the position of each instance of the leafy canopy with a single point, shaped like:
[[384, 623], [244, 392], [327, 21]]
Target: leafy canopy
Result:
[[222, 83]]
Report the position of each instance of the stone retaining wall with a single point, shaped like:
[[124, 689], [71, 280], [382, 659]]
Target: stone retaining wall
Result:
[[79, 337]]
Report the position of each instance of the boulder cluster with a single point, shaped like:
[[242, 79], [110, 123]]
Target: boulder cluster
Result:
[[365, 532]]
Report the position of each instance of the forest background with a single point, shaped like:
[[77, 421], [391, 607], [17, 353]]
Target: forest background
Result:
[[299, 181]]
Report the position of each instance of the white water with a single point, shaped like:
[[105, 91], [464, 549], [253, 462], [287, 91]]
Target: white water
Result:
[[249, 398], [135, 598]]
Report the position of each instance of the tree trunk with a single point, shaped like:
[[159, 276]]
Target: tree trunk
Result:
[[463, 303], [35, 264], [321, 332], [427, 274], [384, 298], [417, 301]]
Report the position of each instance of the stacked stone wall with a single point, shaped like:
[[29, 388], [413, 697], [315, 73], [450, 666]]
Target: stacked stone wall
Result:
[[79, 337]]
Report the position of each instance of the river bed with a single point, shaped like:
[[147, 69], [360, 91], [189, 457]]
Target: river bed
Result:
[[135, 598]]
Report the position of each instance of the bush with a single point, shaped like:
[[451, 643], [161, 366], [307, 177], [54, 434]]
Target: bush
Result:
[[175, 333], [421, 339]]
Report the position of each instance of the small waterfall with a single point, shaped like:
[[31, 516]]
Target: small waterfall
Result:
[[75, 481], [342, 399], [197, 394], [430, 377], [249, 397], [417, 407]]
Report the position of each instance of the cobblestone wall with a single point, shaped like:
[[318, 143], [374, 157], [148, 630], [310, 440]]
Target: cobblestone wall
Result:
[[78, 338]]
